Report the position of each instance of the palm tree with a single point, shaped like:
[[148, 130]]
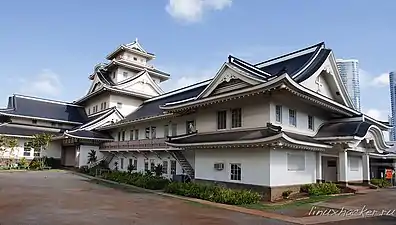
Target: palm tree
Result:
[[92, 158]]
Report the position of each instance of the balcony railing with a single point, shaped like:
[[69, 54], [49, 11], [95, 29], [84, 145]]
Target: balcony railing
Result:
[[158, 143]]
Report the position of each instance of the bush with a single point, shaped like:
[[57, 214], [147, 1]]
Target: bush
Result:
[[320, 189], [286, 194], [53, 163], [213, 193], [147, 181], [381, 183], [35, 164]]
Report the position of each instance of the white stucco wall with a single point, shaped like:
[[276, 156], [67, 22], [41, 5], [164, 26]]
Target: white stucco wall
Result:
[[83, 154], [42, 124], [355, 174], [69, 154], [54, 149], [254, 163], [129, 104], [280, 175], [97, 101]]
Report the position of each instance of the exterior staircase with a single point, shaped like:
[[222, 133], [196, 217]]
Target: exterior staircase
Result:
[[186, 166], [107, 159]]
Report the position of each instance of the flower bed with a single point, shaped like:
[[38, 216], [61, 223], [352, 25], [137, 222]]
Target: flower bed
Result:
[[213, 193], [320, 189], [147, 181], [381, 183]]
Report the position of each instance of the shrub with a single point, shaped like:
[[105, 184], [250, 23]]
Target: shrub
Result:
[[286, 194], [320, 189], [131, 168], [53, 163], [381, 183], [213, 193], [35, 164], [147, 181]]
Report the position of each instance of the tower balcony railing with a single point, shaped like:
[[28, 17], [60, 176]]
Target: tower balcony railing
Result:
[[157, 143]]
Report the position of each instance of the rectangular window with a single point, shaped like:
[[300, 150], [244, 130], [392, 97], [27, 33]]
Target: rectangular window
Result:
[[96, 108], [295, 161], [34, 121], [310, 122], [131, 135], [292, 117], [119, 105], [123, 135], [125, 74], [146, 165], [221, 120], [166, 130], [104, 105], [101, 106], [89, 111], [93, 109], [353, 164], [173, 167], [130, 162], [165, 167], [119, 136], [152, 164], [147, 133], [236, 171], [27, 149], [37, 151], [190, 127], [153, 132], [137, 134], [236, 118], [174, 129], [278, 113], [135, 164], [122, 163], [113, 75]]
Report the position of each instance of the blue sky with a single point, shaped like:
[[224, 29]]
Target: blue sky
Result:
[[48, 48]]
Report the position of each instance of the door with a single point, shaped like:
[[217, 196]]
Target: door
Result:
[[330, 170]]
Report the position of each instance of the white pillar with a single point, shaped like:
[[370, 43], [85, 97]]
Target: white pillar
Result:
[[319, 176], [343, 166], [366, 168]]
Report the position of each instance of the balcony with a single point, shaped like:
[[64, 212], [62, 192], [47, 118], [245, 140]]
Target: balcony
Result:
[[147, 144]]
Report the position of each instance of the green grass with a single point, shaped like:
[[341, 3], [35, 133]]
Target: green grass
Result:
[[305, 203]]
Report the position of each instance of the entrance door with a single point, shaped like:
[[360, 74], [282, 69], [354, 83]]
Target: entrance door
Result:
[[330, 169]]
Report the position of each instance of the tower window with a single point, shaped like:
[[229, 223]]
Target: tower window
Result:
[[125, 74], [119, 105]]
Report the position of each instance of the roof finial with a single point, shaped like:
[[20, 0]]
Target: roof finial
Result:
[[136, 39]]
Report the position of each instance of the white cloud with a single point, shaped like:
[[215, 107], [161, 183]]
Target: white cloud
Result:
[[192, 11], [377, 114], [381, 80], [368, 80], [46, 83]]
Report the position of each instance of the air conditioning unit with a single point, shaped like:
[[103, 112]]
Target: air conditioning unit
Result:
[[219, 166]]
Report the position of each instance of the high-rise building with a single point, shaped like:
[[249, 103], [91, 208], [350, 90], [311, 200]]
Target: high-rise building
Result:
[[392, 89], [349, 71]]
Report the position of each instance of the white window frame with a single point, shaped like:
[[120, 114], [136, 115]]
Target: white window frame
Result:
[[278, 113], [293, 117], [173, 167], [311, 122], [165, 167], [233, 126], [293, 166], [218, 119], [234, 176], [27, 148]]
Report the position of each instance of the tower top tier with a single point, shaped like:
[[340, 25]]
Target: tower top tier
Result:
[[133, 52]]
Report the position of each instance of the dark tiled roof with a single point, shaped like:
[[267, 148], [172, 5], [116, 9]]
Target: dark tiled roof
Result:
[[4, 130], [90, 134], [300, 137], [354, 128], [34, 107], [151, 107], [291, 66]]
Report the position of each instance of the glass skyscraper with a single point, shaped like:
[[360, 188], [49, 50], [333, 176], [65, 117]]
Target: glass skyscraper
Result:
[[392, 89], [349, 71]]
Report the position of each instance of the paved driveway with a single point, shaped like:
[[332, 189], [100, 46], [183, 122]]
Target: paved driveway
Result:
[[48, 198]]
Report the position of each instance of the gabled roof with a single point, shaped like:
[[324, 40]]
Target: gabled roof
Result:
[[44, 109], [342, 129], [133, 47]]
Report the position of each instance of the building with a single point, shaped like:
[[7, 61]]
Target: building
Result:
[[392, 90], [271, 126], [349, 71]]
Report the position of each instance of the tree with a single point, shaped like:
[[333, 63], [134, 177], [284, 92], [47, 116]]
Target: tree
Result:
[[92, 158], [11, 144], [41, 142], [3, 146]]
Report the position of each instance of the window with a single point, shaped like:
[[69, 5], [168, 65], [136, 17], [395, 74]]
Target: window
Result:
[[89, 111], [153, 132], [152, 164], [353, 164], [96, 108], [236, 118], [134, 58], [173, 167], [104, 105], [174, 129], [221, 120], [123, 135], [278, 113], [292, 117], [53, 124], [131, 135], [295, 161], [34, 121], [37, 151], [165, 167], [113, 75], [236, 171], [125, 74], [135, 164], [310, 122], [147, 133], [93, 109], [130, 163], [146, 168], [136, 134], [119, 105], [190, 127], [119, 136], [27, 149], [122, 163], [166, 130], [101, 106]]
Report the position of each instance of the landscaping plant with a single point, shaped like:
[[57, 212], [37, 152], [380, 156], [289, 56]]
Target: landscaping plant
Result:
[[147, 180], [381, 183], [320, 189]]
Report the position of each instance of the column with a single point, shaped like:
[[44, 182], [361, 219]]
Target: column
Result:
[[343, 167], [319, 176], [366, 168]]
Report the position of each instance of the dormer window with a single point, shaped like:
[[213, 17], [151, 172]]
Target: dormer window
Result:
[[113, 75], [125, 74], [119, 105], [134, 58]]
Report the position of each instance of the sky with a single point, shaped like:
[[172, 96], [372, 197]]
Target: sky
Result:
[[48, 48]]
